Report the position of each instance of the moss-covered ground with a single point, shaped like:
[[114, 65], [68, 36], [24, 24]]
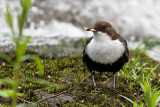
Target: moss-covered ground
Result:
[[62, 73]]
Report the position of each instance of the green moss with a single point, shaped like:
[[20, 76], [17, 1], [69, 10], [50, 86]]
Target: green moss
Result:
[[62, 73]]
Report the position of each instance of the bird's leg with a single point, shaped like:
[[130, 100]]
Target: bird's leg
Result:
[[94, 83], [95, 86], [114, 80]]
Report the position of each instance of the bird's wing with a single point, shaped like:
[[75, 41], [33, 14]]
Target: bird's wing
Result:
[[126, 48], [84, 53]]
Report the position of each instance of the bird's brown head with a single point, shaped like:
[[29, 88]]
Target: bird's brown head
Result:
[[102, 26]]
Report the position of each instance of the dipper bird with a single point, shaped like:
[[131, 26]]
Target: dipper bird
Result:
[[105, 51]]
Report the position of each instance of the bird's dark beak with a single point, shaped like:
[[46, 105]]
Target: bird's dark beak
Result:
[[90, 29]]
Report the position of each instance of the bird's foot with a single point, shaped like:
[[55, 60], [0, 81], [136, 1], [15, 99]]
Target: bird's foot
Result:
[[96, 90], [109, 85]]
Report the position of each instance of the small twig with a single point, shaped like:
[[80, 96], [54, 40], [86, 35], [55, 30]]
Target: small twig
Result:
[[55, 95], [25, 101], [65, 90]]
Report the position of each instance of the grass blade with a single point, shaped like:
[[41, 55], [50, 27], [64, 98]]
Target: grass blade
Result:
[[158, 100], [127, 99], [137, 59], [26, 4], [21, 49], [154, 99], [40, 66], [37, 61], [5, 57], [9, 81], [9, 17], [141, 105], [135, 104], [8, 93]]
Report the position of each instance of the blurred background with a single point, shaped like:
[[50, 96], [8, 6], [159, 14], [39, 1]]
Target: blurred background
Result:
[[57, 25]]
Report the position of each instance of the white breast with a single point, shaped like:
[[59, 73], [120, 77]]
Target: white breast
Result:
[[103, 50]]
